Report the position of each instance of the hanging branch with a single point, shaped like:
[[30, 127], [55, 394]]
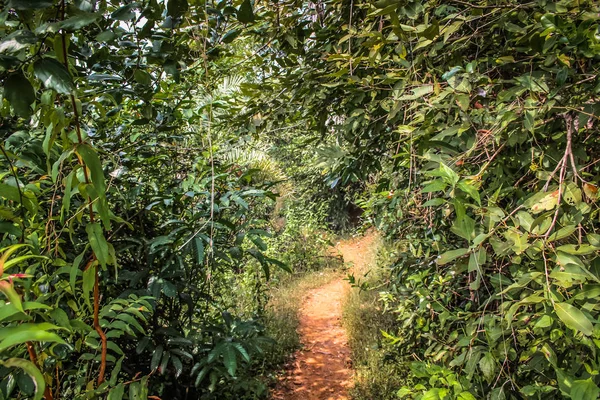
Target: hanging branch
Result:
[[562, 166]]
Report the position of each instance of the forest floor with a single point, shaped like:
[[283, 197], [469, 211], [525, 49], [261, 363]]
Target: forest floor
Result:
[[322, 370]]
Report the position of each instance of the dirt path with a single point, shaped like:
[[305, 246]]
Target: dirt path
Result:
[[321, 370]]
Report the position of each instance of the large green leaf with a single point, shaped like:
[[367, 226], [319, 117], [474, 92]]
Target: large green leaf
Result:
[[78, 21], [98, 243], [487, 364], [125, 13], [177, 8], [574, 318], [245, 13], [30, 4], [450, 256], [230, 359], [19, 93], [13, 297], [30, 369], [28, 332], [17, 41], [93, 163], [117, 392], [54, 75], [585, 390]]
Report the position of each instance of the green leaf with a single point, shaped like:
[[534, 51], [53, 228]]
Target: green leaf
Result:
[[177, 8], [230, 359], [585, 390], [156, 357], [241, 202], [245, 13], [78, 21], [231, 35], [8, 310], [487, 364], [142, 77], [98, 243], [74, 270], [449, 74], [477, 259], [434, 202], [470, 189], [30, 369], [451, 255], [124, 13], [199, 250], [93, 163], [578, 250], [588, 292], [240, 349], [116, 393], [28, 332], [30, 4], [13, 297], [131, 321], [6, 255], [544, 202], [162, 368], [418, 92], [178, 365], [19, 93], [54, 75], [574, 318], [17, 41], [464, 226], [544, 322], [201, 375], [169, 289], [89, 279], [435, 186]]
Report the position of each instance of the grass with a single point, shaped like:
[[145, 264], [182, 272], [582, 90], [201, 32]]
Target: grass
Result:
[[376, 376]]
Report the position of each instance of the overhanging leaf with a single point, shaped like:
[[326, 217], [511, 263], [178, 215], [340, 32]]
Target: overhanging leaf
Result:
[[98, 243], [245, 13], [54, 75], [11, 294], [19, 93], [574, 318], [30, 4], [451, 255], [30, 369]]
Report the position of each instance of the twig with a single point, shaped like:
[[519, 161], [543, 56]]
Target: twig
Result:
[[561, 177]]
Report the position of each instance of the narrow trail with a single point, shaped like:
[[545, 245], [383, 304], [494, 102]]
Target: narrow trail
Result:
[[321, 370]]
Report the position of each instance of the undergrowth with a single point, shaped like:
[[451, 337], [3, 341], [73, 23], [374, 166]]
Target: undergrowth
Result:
[[377, 375]]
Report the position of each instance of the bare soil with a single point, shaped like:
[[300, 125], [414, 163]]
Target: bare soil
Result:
[[322, 370]]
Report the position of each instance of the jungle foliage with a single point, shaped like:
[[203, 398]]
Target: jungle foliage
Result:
[[468, 131], [125, 218], [144, 145]]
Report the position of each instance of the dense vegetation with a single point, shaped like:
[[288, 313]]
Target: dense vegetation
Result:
[[162, 160]]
